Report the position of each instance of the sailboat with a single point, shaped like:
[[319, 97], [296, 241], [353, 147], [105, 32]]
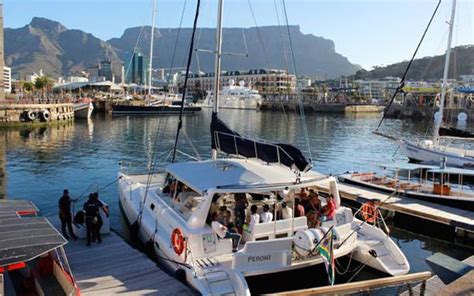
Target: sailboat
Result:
[[171, 213], [432, 150]]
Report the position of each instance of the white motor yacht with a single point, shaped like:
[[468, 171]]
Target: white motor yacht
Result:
[[235, 97]]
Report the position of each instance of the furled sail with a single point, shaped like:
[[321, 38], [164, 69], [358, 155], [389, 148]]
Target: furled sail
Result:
[[454, 132], [228, 141]]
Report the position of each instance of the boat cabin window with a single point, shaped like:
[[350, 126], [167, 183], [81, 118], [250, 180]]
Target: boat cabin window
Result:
[[180, 197]]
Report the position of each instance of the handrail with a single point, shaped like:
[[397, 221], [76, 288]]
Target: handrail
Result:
[[363, 285]]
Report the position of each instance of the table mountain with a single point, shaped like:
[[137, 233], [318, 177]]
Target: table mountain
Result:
[[48, 45]]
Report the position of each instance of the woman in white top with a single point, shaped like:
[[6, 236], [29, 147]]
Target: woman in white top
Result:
[[254, 218], [266, 216]]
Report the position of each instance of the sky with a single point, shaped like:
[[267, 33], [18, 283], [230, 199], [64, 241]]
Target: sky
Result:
[[368, 32]]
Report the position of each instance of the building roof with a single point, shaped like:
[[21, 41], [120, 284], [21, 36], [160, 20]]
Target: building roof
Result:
[[24, 238], [236, 174]]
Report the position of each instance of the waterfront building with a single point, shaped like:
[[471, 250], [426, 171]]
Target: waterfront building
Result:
[[136, 70], [378, 89], [32, 77], [72, 79], [7, 79], [105, 69], [265, 81]]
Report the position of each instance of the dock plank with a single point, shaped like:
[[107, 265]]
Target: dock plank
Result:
[[114, 267], [459, 218]]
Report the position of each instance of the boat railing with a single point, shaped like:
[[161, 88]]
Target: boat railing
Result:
[[279, 151], [379, 218]]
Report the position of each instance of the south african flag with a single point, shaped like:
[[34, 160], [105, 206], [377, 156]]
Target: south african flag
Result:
[[326, 251]]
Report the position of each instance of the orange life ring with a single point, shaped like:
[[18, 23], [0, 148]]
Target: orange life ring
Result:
[[177, 241], [369, 212]]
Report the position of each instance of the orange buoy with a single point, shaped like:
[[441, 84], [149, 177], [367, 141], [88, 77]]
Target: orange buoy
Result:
[[368, 212], [177, 241]]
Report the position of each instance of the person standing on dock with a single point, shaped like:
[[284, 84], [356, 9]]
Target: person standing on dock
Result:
[[93, 221], [65, 214]]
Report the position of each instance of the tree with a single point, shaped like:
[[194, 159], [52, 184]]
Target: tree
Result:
[[28, 86], [43, 83]]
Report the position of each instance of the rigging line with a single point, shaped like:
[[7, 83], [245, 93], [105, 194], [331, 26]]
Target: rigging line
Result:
[[258, 34], [177, 36], [281, 35], [188, 66], [191, 144], [402, 82], [301, 107]]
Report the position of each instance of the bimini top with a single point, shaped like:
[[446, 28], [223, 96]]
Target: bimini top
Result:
[[24, 238], [236, 174]]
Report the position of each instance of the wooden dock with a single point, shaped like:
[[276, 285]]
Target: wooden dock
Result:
[[435, 286], [462, 221], [114, 267]]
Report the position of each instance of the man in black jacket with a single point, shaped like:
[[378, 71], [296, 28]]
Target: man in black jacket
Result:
[[65, 215]]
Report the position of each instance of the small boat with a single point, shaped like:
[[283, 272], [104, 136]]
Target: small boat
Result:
[[32, 258], [419, 181], [83, 110], [235, 97]]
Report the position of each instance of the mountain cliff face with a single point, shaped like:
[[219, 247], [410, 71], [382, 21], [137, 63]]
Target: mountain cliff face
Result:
[[428, 68], [313, 55], [48, 45]]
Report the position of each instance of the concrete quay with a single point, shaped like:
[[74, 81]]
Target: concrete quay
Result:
[[33, 114], [321, 108]]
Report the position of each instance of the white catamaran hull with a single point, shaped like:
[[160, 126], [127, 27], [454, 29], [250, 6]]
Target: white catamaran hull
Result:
[[235, 103], [434, 154], [225, 273]]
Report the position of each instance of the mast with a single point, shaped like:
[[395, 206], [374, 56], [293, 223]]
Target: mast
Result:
[[150, 64], [217, 69], [445, 76]]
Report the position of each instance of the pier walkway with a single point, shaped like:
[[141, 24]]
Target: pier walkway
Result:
[[461, 220], [114, 267]]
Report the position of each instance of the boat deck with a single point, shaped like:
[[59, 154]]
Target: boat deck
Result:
[[458, 218], [114, 267]]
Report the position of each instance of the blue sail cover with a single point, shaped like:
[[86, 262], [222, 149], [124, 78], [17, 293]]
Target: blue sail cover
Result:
[[228, 141]]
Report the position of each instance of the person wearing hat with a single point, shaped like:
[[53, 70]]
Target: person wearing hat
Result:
[[65, 215]]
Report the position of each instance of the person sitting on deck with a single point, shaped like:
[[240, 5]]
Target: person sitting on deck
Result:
[[266, 216], [299, 209], [313, 210], [286, 212], [329, 210], [253, 219], [223, 233], [224, 216]]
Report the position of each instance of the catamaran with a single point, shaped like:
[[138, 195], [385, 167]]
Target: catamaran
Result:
[[171, 213]]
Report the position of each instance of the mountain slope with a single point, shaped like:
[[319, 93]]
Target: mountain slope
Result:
[[48, 45], [313, 55], [428, 68]]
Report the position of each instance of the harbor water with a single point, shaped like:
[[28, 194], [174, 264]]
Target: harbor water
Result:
[[85, 156]]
